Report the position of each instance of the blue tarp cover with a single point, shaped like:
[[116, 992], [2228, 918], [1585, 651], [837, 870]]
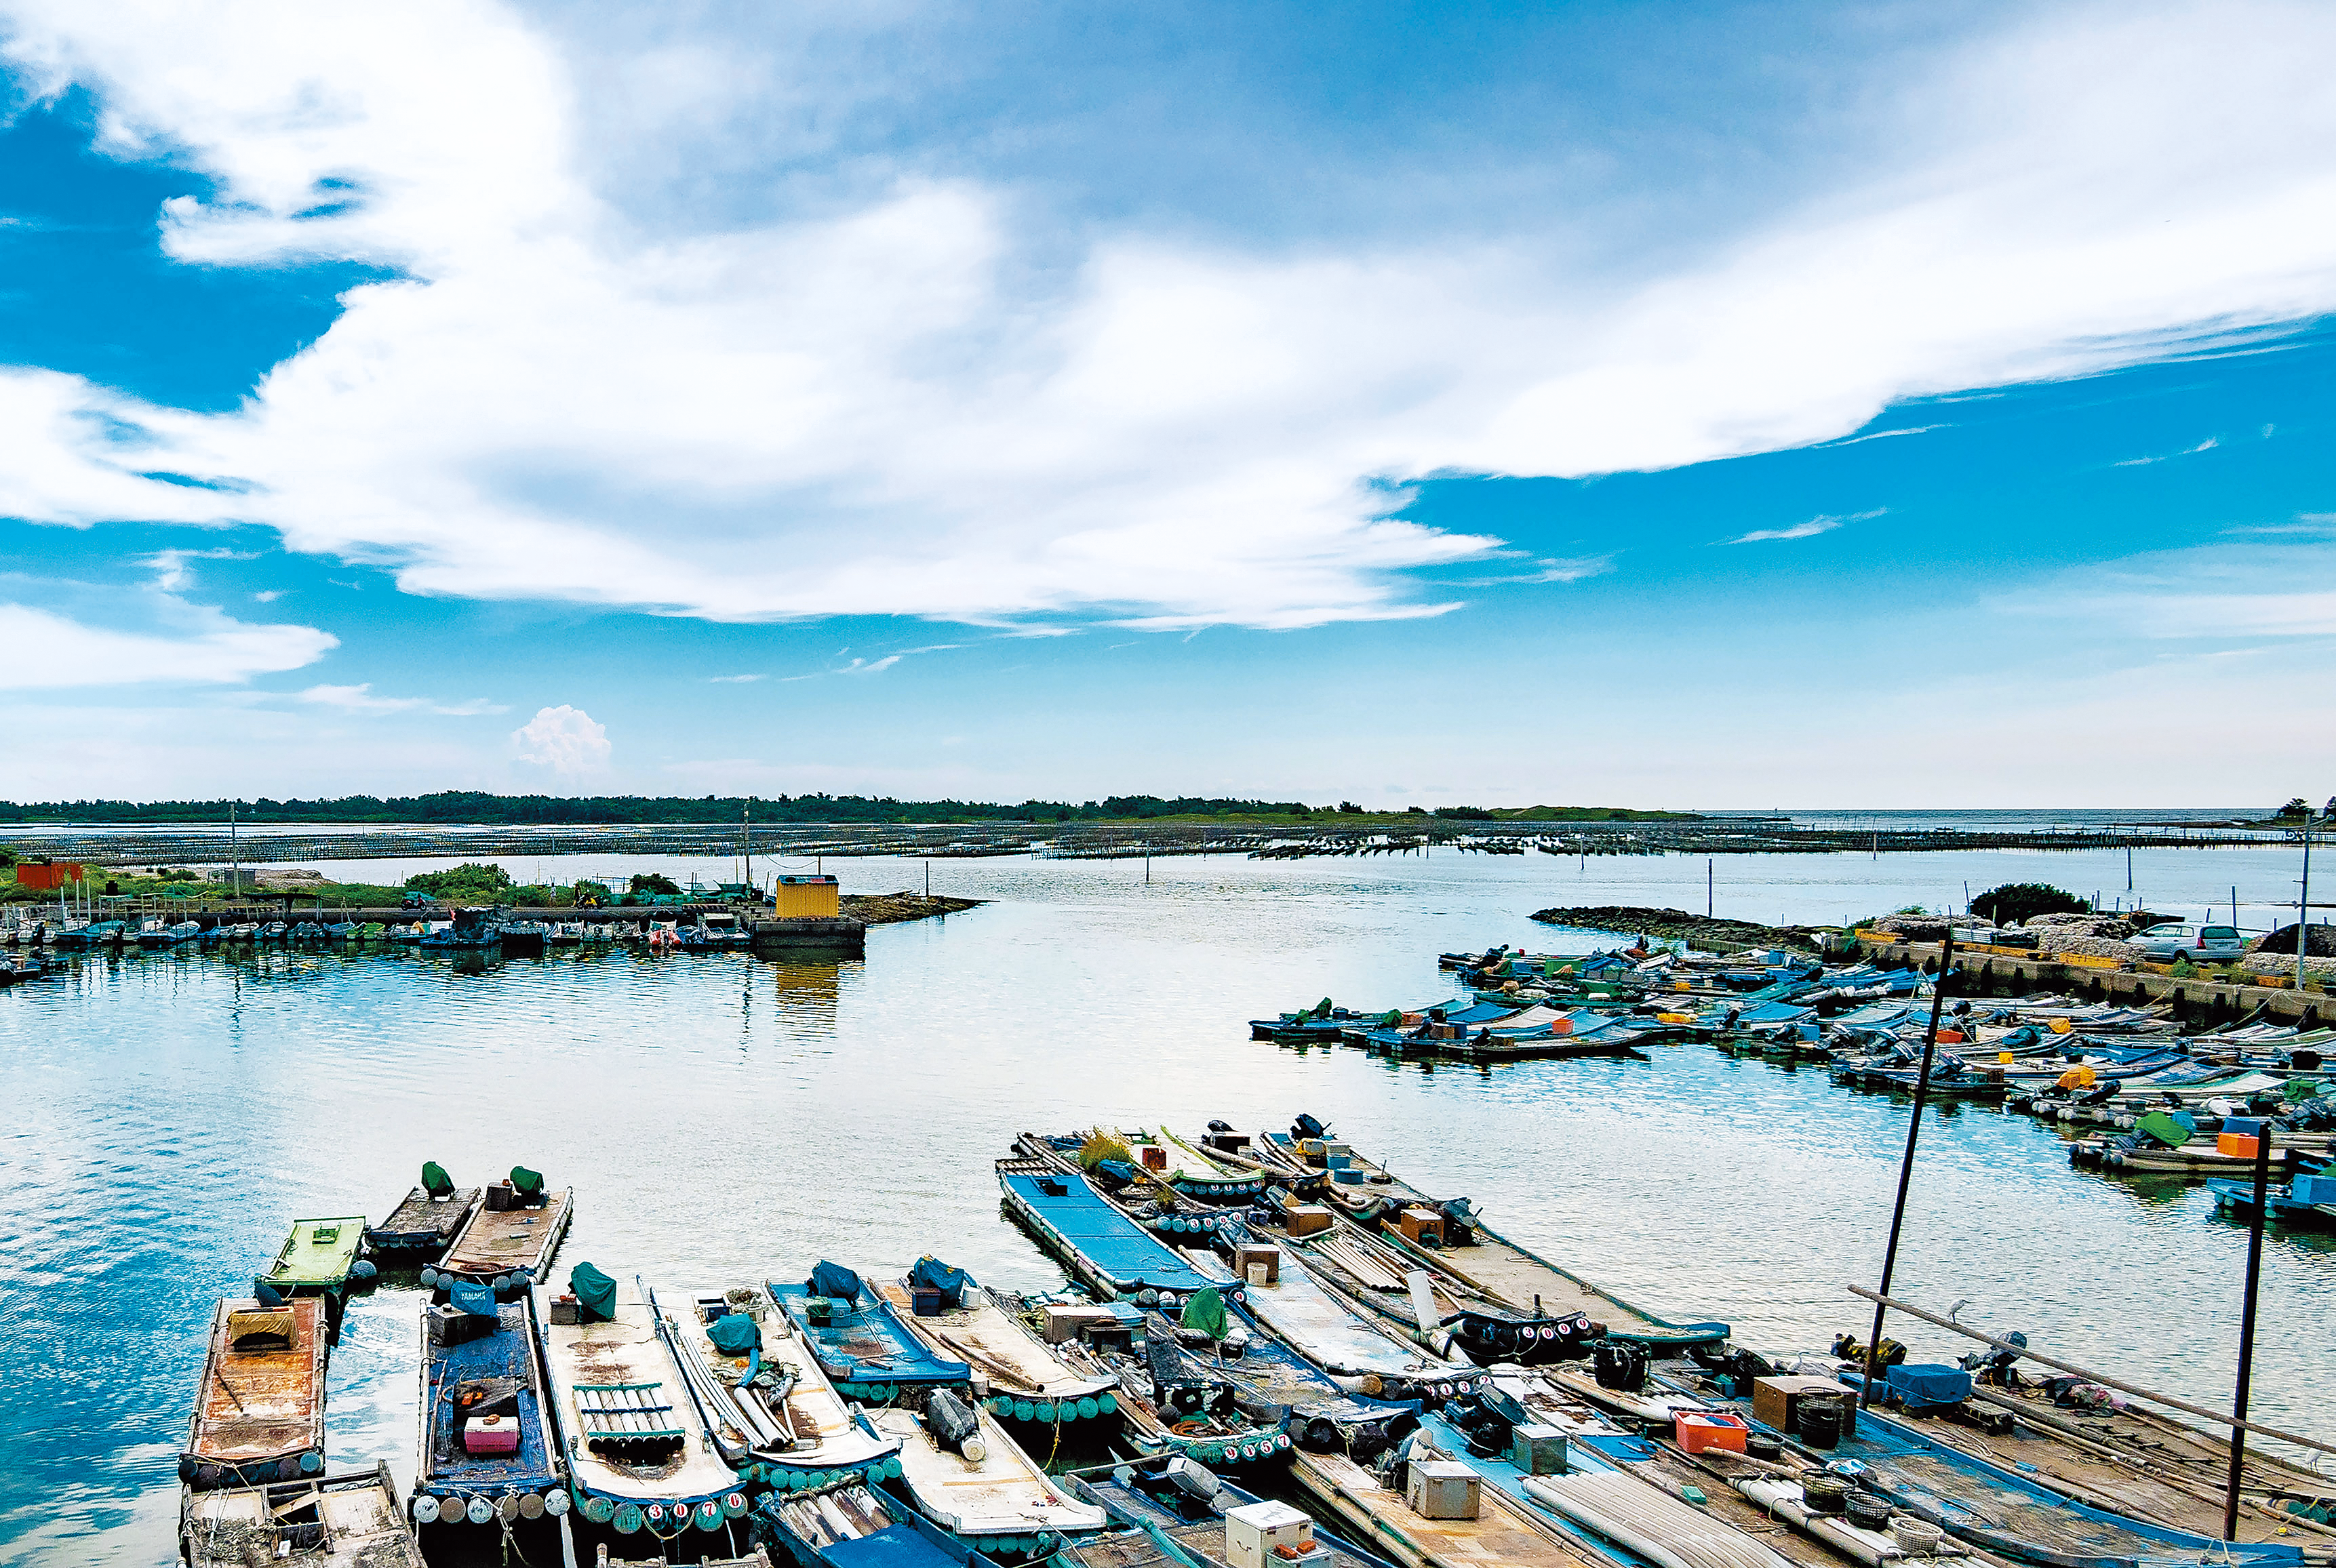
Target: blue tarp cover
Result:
[[1119, 1248], [734, 1334], [1921, 1383], [950, 1282], [477, 1299], [834, 1279], [898, 1547]]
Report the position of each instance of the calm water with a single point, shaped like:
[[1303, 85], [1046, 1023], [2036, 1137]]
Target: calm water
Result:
[[724, 1117]]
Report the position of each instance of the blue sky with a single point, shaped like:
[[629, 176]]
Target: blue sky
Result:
[[1741, 406]]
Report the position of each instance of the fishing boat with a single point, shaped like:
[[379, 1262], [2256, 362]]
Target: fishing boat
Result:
[[259, 1411], [320, 1258], [419, 1230], [640, 1452], [351, 1521], [1500, 1536], [566, 933], [1476, 1255], [1188, 1402], [848, 1526], [757, 1385], [860, 1341], [1104, 1249], [1028, 1383], [963, 1473], [1276, 1380], [1175, 1510], [487, 1450], [509, 1239]]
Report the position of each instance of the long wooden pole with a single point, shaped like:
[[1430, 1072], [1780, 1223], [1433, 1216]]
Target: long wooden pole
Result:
[[1906, 1166], [2247, 1323], [2219, 1417]]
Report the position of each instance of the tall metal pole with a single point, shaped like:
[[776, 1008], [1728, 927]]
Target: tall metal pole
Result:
[[1906, 1167], [2303, 907], [746, 846], [1707, 888], [2247, 1332], [234, 853]]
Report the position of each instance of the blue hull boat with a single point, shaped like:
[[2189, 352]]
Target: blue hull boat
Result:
[[485, 1435], [849, 1526], [1104, 1249], [862, 1345]]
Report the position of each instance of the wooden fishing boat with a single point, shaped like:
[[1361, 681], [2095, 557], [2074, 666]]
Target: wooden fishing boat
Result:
[[421, 1228], [1104, 1249], [1501, 1535], [1477, 1256], [860, 1341], [1177, 1403], [487, 1451], [1274, 1380], [639, 1453], [758, 1388], [1027, 1383], [755, 1558], [508, 1247], [319, 1258], [987, 1492], [350, 1521], [1178, 1506], [259, 1411], [849, 1525], [2010, 1513]]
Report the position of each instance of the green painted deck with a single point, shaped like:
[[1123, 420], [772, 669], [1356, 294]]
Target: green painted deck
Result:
[[318, 1255]]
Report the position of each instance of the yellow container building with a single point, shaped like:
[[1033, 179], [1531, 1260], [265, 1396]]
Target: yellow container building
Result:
[[807, 898]]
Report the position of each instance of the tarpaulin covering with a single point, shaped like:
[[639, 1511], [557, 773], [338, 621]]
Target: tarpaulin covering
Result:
[[2165, 1130], [478, 1300], [526, 1183], [733, 1334], [1205, 1313], [834, 1279], [434, 1179], [1930, 1383], [950, 1282], [595, 1293]]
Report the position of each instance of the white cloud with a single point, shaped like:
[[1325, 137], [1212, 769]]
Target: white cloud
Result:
[[2208, 445], [360, 700], [172, 575], [564, 740], [921, 403], [1824, 524], [732, 679], [191, 645]]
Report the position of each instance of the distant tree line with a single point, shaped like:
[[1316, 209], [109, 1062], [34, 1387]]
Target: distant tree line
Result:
[[474, 806]]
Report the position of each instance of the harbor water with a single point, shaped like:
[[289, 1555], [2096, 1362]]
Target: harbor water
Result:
[[729, 1118]]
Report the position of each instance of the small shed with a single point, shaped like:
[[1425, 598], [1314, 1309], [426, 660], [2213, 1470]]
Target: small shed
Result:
[[806, 898]]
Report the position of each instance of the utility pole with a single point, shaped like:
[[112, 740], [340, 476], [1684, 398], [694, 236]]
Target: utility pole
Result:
[[2303, 906], [746, 846], [234, 853], [1707, 905]]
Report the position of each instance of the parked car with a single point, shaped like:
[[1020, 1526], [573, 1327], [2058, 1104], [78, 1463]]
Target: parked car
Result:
[[2200, 943]]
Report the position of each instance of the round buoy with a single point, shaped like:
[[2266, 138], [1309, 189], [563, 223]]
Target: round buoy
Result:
[[707, 1516], [312, 1462], [627, 1518], [289, 1470], [430, 1279], [1106, 1403], [1025, 1410], [733, 1504], [478, 1511], [1045, 1410], [531, 1505], [1085, 1409], [425, 1508], [506, 1508], [555, 1504], [599, 1510], [893, 1468], [1147, 1297], [207, 1475]]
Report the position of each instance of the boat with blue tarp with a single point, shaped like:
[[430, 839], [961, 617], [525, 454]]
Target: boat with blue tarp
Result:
[[861, 1343], [488, 1453], [756, 1382], [1105, 1249], [849, 1525]]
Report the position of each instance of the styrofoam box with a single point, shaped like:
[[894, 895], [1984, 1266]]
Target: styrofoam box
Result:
[[1253, 1532]]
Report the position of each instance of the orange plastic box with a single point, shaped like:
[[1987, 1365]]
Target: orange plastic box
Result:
[[2237, 1143], [1701, 1429]]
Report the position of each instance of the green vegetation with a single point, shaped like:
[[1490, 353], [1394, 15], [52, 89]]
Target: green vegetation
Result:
[[475, 807], [2014, 901], [469, 883], [654, 882]]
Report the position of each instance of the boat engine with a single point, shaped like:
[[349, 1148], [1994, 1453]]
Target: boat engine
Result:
[[1619, 1365]]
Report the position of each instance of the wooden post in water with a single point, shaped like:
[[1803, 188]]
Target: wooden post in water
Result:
[[2247, 1328], [1707, 888], [1906, 1167]]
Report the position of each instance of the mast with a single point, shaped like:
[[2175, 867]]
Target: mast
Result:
[[746, 846]]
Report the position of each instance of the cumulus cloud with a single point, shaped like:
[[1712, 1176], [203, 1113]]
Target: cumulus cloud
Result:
[[564, 740], [360, 699], [916, 402], [194, 645]]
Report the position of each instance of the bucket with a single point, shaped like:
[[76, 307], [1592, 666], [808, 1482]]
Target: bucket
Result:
[[1819, 1421], [1261, 1276], [1915, 1537], [1868, 1512], [1761, 1446], [1824, 1495]]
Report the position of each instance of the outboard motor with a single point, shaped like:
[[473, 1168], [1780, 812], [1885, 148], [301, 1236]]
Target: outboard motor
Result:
[[1459, 1223], [1306, 1127], [1619, 1365]]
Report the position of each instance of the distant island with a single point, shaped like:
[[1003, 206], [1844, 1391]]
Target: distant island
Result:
[[465, 806]]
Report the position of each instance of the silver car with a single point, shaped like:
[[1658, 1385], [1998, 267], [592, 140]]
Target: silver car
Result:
[[2199, 943]]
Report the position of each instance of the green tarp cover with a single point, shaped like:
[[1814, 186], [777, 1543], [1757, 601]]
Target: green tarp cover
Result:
[[2165, 1130], [2300, 1088], [525, 1182], [733, 1334], [434, 1179], [1205, 1313], [595, 1293]]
